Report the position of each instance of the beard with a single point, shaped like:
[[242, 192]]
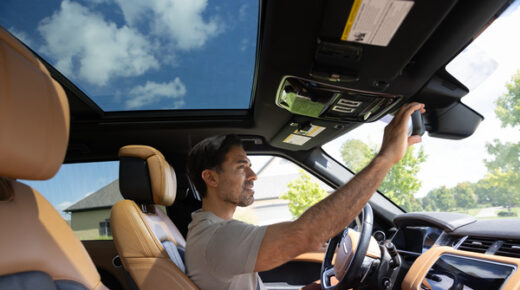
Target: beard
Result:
[[246, 198]]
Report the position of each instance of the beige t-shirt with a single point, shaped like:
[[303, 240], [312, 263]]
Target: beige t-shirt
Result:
[[221, 254]]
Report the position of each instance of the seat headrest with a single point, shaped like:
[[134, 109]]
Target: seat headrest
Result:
[[145, 176], [34, 114]]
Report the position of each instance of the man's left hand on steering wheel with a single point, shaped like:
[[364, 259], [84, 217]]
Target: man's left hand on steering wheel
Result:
[[353, 247]]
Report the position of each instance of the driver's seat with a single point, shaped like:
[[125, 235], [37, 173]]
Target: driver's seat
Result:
[[149, 244]]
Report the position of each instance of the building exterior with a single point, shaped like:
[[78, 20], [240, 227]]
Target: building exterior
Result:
[[90, 216]]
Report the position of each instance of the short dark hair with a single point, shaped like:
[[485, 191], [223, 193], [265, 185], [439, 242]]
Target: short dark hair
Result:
[[209, 153]]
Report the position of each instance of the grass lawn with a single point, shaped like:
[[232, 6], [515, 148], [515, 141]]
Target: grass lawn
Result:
[[470, 211]]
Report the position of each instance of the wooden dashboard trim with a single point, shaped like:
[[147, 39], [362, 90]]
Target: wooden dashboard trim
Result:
[[373, 251], [314, 257], [424, 262]]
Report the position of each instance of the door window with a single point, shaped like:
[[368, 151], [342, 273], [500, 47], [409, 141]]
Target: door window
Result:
[[283, 191], [84, 193]]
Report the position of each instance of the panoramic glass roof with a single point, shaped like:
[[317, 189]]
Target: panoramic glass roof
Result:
[[145, 55]]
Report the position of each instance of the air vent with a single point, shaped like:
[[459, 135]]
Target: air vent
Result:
[[509, 249], [475, 244]]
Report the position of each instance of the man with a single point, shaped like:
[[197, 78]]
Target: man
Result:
[[222, 253]]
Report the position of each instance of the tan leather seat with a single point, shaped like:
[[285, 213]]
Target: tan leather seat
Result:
[[150, 246], [38, 249]]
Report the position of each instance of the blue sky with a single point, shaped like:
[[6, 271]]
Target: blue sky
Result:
[[135, 55], [73, 182]]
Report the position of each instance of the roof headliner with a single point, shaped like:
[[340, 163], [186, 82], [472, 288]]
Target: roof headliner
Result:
[[287, 40]]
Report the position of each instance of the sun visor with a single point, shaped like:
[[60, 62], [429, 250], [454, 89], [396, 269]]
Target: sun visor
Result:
[[302, 133], [365, 44]]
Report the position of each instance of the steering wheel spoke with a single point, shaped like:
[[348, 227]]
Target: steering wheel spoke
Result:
[[325, 278]]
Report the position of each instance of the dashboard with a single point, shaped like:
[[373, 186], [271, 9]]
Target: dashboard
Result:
[[456, 251]]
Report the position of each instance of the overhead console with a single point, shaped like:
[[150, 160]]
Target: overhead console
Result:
[[348, 62], [332, 103]]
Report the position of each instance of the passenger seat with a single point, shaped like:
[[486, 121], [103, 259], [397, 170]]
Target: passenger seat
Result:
[[149, 244]]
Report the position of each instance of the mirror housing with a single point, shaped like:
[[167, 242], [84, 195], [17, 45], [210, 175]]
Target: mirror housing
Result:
[[456, 121]]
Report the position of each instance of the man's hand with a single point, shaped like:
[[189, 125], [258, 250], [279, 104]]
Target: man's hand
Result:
[[396, 140], [284, 241]]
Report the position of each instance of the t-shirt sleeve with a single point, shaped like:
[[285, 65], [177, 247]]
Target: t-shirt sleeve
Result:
[[233, 248]]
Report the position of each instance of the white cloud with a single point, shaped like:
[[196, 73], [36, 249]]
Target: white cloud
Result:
[[153, 92], [63, 205], [242, 12], [75, 37], [21, 36], [88, 193], [181, 21], [243, 44]]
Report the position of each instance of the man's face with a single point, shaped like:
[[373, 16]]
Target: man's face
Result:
[[236, 178]]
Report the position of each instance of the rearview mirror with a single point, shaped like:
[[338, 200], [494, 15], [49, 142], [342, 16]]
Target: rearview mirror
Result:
[[416, 124]]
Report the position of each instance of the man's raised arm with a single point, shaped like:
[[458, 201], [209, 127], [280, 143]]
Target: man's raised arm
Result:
[[284, 241]]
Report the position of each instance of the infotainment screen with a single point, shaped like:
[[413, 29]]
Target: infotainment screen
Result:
[[458, 272]]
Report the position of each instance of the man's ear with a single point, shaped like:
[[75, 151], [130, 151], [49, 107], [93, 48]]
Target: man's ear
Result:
[[210, 177]]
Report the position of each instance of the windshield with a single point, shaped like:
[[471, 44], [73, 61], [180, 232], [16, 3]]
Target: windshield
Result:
[[479, 175]]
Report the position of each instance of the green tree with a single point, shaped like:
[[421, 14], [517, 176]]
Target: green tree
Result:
[[505, 156], [505, 187], [356, 154], [428, 204], [400, 183], [508, 105], [483, 193], [302, 193], [464, 195], [440, 199], [503, 177]]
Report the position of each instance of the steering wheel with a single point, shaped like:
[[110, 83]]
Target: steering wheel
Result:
[[347, 268]]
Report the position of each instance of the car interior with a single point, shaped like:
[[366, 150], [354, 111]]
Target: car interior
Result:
[[317, 74]]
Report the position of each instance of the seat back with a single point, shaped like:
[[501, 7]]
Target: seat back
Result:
[[38, 249], [149, 244]]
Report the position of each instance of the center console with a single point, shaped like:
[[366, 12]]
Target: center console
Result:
[[448, 268]]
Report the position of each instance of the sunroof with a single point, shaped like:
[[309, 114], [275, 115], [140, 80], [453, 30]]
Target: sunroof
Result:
[[145, 55]]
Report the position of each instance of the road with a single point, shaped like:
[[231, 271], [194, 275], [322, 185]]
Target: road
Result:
[[488, 212]]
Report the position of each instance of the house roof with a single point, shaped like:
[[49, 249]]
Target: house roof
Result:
[[105, 197]]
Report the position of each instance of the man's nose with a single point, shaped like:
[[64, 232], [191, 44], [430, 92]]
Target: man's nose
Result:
[[251, 175]]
